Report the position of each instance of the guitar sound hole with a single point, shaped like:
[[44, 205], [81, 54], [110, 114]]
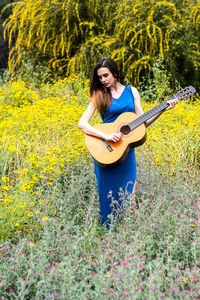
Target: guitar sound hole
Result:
[[125, 129]]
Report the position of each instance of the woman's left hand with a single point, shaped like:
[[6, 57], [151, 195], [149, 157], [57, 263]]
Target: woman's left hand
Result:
[[172, 103]]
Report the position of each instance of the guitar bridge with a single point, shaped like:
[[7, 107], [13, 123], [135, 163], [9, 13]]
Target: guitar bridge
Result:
[[107, 145]]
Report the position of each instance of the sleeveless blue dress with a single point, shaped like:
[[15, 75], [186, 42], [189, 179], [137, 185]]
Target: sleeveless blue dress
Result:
[[111, 180]]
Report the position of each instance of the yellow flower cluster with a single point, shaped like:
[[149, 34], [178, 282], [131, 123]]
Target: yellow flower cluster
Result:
[[175, 137], [17, 93], [14, 214], [41, 137]]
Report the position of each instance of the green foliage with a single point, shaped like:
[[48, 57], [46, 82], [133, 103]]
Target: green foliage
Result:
[[69, 36], [158, 87], [33, 74]]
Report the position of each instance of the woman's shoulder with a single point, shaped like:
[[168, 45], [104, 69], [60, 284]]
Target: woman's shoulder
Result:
[[133, 90]]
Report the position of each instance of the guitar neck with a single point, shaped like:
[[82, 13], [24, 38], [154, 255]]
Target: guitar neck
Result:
[[148, 115], [187, 92]]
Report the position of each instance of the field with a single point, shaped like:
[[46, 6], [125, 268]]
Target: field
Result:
[[52, 246]]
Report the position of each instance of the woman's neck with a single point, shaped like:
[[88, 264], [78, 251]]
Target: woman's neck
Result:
[[117, 87], [116, 90]]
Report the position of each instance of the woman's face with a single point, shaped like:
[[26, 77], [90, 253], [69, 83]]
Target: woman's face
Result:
[[106, 77]]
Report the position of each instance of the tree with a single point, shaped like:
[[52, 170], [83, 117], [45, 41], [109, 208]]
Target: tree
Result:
[[69, 36]]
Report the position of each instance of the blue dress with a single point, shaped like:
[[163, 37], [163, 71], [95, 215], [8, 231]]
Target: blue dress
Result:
[[111, 180]]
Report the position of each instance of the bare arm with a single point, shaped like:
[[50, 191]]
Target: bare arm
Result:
[[139, 110], [88, 129]]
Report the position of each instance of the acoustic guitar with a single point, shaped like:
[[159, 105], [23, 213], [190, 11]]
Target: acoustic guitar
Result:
[[108, 154]]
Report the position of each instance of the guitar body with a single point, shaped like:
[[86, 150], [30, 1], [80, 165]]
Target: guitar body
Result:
[[99, 150]]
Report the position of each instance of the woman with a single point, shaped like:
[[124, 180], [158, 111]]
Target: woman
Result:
[[111, 98]]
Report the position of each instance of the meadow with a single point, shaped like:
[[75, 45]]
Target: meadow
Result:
[[52, 246]]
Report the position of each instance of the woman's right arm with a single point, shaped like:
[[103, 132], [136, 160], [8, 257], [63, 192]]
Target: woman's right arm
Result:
[[88, 129], [84, 122]]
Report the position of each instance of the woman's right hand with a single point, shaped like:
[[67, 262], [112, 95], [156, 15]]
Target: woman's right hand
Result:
[[113, 137]]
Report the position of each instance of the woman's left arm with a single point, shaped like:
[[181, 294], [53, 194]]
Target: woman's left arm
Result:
[[139, 110]]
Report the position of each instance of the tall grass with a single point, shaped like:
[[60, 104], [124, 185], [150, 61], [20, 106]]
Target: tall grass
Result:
[[153, 253]]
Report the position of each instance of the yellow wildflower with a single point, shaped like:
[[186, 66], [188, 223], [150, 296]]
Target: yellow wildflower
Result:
[[4, 187], [4, 178]]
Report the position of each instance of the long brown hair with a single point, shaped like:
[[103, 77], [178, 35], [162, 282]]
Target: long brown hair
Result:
[[100, 95]]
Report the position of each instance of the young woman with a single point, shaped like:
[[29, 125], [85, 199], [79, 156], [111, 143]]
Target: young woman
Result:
[[111, 98]]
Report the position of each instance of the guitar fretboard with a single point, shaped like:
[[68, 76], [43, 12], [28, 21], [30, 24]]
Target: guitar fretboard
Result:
[[148, 115]]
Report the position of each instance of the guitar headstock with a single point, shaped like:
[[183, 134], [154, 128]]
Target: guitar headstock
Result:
[[185, 93]]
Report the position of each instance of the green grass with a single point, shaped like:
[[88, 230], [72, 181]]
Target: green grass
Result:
[[152, 254]]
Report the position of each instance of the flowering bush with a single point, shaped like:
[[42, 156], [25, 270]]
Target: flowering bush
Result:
[[70, 36]]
